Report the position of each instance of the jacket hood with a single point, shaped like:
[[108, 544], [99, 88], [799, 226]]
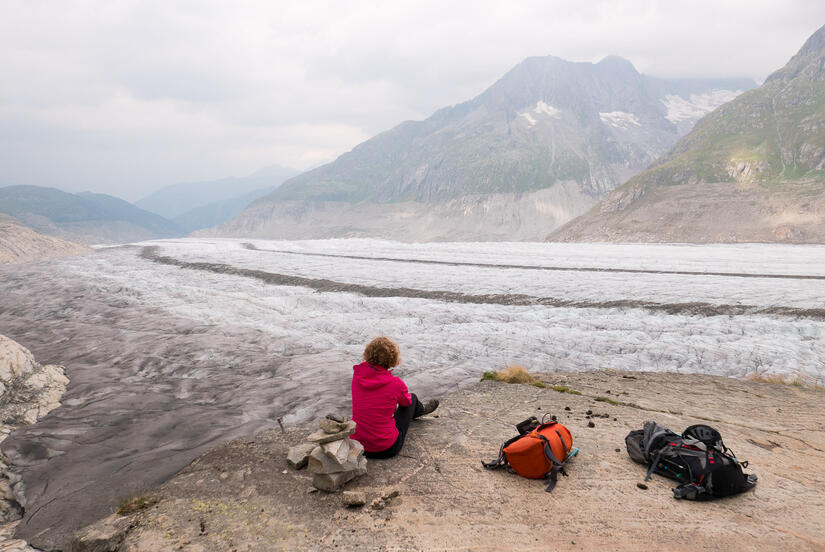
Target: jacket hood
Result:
[[371, 377]]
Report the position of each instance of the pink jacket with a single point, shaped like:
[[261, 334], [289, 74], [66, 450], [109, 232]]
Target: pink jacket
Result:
[[375, 393]]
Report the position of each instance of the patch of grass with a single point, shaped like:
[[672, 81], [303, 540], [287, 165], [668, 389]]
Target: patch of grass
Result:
[[778, 379], [607, 400], [136, 503], [517, 374], [512, 374], [565, 389], [775, 379]]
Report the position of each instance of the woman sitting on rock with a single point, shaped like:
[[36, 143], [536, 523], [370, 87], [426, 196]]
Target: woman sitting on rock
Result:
[[382, 407]]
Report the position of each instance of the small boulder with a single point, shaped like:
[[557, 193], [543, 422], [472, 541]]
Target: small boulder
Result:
[[105, 535], [331, 426], [321, 436], [331, 482], [15, 360], [390, 493], [354, 499], [298, 455], [337, 456]]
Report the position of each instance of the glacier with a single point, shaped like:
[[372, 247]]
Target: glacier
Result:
[[464, 339], [173, 346]]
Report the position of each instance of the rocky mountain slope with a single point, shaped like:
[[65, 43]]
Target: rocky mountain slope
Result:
[[84, 217], [19, 244], [752, 170], [196, 205], [539, 147]]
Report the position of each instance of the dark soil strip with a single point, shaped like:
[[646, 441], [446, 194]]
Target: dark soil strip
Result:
[[320, 284], [252, 247]]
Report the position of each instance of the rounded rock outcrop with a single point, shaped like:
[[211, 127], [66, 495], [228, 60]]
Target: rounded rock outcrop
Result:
[[28, 391]]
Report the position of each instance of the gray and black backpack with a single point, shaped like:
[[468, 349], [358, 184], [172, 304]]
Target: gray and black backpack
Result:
[[697, 459]]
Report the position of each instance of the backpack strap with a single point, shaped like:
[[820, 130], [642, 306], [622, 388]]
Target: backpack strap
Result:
[[564, 446], [654, 464], [502, 458], [732, 455], [556, 465]]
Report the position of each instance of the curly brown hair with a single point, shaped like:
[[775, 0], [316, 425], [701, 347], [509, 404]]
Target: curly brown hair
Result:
[[383, 351]]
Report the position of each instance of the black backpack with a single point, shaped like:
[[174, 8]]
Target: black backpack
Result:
[[697, 459]]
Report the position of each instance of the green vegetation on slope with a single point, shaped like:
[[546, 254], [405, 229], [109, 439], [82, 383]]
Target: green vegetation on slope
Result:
[[771, 135]]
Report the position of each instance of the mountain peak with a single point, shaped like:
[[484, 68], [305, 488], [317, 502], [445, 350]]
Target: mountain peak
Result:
[[815, 44], [809, 61], [616, 61]]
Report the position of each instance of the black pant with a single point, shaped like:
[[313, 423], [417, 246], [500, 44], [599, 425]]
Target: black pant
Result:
[[403, 416]]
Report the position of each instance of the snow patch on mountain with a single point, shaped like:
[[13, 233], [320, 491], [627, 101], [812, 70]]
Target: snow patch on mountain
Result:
[[547, 109], [541, 108], [619, 119], [696, 106]]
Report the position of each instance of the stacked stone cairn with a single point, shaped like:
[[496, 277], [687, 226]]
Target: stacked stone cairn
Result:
[[333, 458]]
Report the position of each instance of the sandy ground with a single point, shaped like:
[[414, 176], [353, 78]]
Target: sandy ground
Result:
[[241, 496]]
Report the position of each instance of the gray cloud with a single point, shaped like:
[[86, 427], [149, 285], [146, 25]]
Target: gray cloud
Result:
[[125, 97]]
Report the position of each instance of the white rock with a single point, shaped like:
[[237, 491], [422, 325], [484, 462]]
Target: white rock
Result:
[[57, 374], [15, 545], [5, 489], [15, 360], [31, 415]]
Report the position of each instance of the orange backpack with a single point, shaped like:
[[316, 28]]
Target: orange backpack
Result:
[[539, 451]]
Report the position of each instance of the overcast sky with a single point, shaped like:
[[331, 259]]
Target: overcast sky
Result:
[[125, 97]]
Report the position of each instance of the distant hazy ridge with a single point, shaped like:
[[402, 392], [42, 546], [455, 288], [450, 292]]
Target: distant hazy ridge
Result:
[[84, 217], [196, 205]]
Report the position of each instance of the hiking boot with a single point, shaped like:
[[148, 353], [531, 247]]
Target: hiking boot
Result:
[[427, 407]]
